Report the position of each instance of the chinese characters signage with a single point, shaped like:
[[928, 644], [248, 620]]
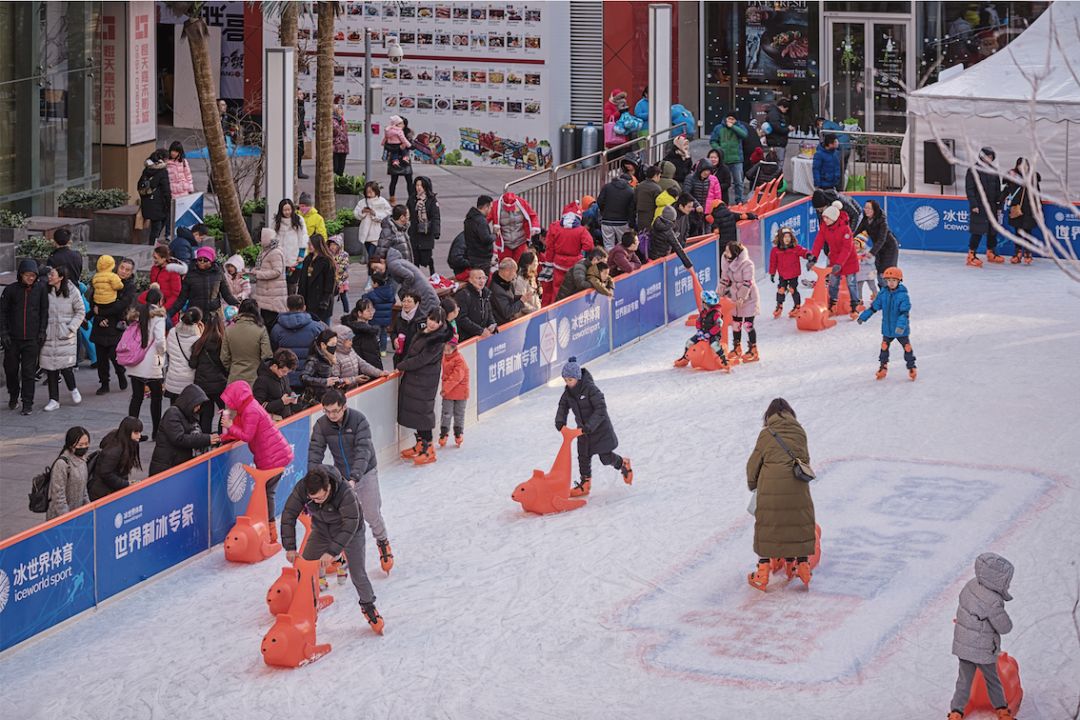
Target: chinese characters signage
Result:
[[128, 80]]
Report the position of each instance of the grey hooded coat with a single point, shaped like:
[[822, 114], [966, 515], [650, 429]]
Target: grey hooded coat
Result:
[[981, 619]]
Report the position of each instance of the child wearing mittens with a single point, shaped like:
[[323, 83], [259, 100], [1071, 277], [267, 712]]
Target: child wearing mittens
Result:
[[737, 282]]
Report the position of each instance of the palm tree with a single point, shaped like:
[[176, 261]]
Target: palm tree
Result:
[[221, 176], [324, 108]]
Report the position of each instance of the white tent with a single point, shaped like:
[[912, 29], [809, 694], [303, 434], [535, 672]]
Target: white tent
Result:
[[1023, 100]]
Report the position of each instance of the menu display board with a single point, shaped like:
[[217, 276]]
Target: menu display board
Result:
[[777, 42]]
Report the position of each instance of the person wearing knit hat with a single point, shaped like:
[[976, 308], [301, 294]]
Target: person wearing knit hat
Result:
[[835, 237], [597, 433]]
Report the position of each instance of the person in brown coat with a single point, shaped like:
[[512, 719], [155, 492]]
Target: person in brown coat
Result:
[[784, 516]]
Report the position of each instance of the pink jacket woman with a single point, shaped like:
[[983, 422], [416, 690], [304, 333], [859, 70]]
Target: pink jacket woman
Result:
[[737, 282], [180, 182], [716, 194], [252, 425]]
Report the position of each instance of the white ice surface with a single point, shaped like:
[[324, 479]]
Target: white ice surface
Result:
[[637, 604]]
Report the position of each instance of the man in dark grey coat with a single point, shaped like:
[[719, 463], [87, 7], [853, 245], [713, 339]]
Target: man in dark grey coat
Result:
[[336, 528], [347, 434], [981, 211]]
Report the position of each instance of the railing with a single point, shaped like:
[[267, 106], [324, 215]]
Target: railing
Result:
[[549, 191], [875, 157]]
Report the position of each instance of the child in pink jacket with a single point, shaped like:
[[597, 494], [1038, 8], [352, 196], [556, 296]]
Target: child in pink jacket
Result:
[[250, 423], [737, 282], [180, 182]]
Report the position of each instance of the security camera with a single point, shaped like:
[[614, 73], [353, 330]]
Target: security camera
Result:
[[394, 51]]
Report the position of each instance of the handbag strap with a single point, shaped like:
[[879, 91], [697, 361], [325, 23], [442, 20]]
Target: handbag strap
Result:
[[781, 443]]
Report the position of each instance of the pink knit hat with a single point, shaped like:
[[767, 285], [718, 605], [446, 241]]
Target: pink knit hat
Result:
[[206, 252]]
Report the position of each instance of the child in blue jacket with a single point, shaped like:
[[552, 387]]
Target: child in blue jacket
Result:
[[382, 296], [894, 304]]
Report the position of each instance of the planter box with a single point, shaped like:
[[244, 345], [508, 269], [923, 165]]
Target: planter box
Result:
[[44, 225], [82, 213], [255, 223], [346, 202], [9, 239], [118, 226], [353, 246]]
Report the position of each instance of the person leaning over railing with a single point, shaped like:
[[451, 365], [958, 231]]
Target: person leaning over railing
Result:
[[119, 454]]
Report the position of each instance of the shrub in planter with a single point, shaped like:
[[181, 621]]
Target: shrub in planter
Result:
[[348, 189], [90, 199], [350, 228], [251, 207], [11, 219], [254, 212], [35, 247], [250, 254]]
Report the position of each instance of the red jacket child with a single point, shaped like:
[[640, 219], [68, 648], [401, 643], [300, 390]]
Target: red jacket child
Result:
[[786, 261], [840, 240], [567, 243], [253, 425], [455, 374]]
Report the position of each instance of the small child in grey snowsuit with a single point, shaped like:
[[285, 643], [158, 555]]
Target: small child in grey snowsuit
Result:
[[981, 620]]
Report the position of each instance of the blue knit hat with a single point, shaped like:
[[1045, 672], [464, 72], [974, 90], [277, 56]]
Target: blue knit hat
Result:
[[571, 369]]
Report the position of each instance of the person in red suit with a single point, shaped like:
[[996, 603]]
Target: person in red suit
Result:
[[835, 233], [515, 223], [567, 243]]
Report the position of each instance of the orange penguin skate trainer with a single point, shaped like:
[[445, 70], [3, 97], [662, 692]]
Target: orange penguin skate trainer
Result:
[[550, 492]]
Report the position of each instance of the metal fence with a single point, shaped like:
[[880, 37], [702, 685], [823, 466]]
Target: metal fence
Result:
[[875, 158]]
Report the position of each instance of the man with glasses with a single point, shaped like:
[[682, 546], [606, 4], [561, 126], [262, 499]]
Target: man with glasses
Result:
[[204, 286]]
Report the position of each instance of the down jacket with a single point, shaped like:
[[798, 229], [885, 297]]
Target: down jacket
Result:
[[981, 619], [253, 426], [152, 365], [338, 518], [178, 372], [455, 377], [271, 285], [169, 279], [784, 519], [895, 305], [422, 368], [203, 289], [268, 390], [737, 282], [841, 246], [246, 345], [296, 331], [349, 443], [371, 223], [411, 279], [576, 280], [62, 332], [883, 245], [67, 485], [475, 311], [590, 412], [179, 434], [786, 262]]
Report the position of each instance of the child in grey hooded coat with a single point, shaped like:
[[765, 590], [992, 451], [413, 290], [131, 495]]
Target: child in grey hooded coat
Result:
[[981, 620]]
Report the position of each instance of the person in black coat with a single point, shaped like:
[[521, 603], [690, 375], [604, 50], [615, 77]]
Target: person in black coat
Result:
[[598, 435], [479, 241], [476, 318], [64, 256], [119, 454], [725, 223], [204, 286], [187, 241], [109, 326], [272, 389], [366, 333], [981, 211], [422, 371], [883, 247], [155, 194], [1023, 204], [24, 318], [318, 280], [210, 373], [506, 305], [179, 435], [777, 137], [425, 223], [456, 258]]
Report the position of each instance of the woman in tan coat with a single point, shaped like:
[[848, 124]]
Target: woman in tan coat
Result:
[[246, 344], [784, 517], [271, 281]]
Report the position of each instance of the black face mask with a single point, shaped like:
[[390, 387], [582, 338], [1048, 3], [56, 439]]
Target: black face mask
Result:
[[331, 348], [79, 452]]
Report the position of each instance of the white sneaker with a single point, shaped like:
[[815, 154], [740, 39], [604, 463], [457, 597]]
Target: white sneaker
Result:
[[52, 405], [76, 396]]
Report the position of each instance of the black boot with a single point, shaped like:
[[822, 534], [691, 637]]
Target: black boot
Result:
[[121, 378]]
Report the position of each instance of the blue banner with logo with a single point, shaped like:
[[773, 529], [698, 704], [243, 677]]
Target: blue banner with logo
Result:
[[638, 306], [584, 329], [46, 578], [929, 223], [231, 486], [680, 286], [1064, 224], [795, 216], [142, 533], [188, 210]]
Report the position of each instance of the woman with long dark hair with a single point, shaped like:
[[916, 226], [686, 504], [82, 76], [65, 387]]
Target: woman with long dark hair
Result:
[[180, 181], [318, 279], [210, 373], [425, 223], [292, 236], [178, 344], [884, 247], [109, 324], [68, 476], [118, 457], [59, 354], [1021, 205], [371, 210], [148, 372], [422, 369]]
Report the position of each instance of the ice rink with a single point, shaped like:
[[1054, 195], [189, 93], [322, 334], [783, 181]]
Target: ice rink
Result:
[[637, 605]]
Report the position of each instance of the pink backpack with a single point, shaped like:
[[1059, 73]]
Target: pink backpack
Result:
[[129, 351]]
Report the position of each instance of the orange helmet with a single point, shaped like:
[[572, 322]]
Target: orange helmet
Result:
[[586, 202], [893, 273]]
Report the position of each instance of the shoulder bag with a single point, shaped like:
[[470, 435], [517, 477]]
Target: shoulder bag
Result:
[[802, 469]]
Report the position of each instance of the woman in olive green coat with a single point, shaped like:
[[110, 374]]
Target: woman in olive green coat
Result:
[[784, 518], [246, 344]]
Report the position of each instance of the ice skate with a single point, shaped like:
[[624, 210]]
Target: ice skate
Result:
[[1003, 714], [881, 372], [682, 362], [853, 315], [735, 356], [426, 454], [778, 311], [993, 257], [973, 260], [459, 440], [581, 489], [1016, 258], [795, 311], [955, 715], [759, 578], [751, 355], [442, 440], [408, 453], [912, 373], [386, 557], [373, 617], [627, 471], [1027, 258], [777, 564], [803, 572]]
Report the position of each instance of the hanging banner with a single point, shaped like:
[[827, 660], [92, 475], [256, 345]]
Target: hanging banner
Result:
[[680, 286], [128, 80], [46, 578], [638, 306]]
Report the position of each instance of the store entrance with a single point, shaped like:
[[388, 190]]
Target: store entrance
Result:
[[868, 59]]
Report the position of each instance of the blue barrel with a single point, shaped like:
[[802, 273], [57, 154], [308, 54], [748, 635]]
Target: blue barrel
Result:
[[590, 143]]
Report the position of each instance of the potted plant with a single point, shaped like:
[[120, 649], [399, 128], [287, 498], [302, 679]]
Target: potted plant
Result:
[[348, 189], [109, 206], [215, 225], [34, 247], [350, 228], [12, 227], [254, 212]]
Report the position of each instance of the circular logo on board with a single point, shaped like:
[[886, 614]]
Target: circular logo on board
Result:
[[5, 590], [564, 333], [491, 352], [118, 521], [1059, 216], [237, 482], [641, 296], [926, 217]]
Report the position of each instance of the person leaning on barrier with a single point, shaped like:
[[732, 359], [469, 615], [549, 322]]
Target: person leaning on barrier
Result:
[[179, 435], [272, 389]]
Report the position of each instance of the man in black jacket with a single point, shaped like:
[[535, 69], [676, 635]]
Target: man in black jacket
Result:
[[271, 388], [725, 223], [506, 305], [457, 259], [474, 301], [24, 317], [179, 435], [777, 137], [617, 210], [347, 434], [336, 528], [187, 241], [479, 242], [981, 211], [204, 286], [64, 256]]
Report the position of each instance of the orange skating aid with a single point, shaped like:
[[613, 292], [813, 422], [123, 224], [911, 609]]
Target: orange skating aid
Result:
[[291, 641], [1009, 673], [702, 357], [691, 319], [249, 540], [280, 594], [814, 314], [546, 493]]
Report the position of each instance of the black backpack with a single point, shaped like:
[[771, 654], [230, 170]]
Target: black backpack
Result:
[[144, 188], [39, 485]]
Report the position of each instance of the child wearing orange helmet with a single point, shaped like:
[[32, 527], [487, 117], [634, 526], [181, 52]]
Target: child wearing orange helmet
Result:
[[895, 305]]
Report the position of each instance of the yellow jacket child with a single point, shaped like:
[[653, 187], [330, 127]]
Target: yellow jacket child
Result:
[[105, 282]]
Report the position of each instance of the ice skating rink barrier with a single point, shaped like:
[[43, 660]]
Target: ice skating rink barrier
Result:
[[62, 568]]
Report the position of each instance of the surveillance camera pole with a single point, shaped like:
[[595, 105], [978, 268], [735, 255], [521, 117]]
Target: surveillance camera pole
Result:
[[367, 106]]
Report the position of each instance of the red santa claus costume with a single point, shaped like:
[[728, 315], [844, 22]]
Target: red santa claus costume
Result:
[[514, 222], [567, 243]]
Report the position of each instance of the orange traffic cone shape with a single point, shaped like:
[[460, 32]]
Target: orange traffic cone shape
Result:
[[814, 314], [280, 594], [549, 492], [1009, 674], [249, 540], [291, 640]]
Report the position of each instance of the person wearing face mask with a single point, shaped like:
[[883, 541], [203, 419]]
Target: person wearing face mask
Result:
[[68, 477], [179, 435]]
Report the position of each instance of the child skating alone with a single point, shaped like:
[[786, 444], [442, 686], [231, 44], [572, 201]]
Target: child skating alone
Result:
[[737, 282], [455, 392], [894, 304], [597, 434], [709, 323], [785, 260], [980, 622]]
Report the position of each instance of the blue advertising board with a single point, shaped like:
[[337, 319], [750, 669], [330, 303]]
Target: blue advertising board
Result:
[[638, 306], [142, 533], [46, 578], [680, 286], [1064, 224], [231, 486], [795, 216], [929, 223]]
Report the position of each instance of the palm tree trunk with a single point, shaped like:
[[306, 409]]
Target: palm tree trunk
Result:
[[220, 170], [324, 107], [288, 35]]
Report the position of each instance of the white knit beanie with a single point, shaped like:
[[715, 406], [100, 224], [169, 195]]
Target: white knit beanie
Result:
[[832, 212]]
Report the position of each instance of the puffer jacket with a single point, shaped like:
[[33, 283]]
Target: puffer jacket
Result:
[[410, 279], [576, 280], [455, 377], [616, 202], [479, 240], [422, 369], [253, 426], [157, 204], [178, 435], [382, 298], [622, 261], [204, 289], [784, 519], [210, 373], [152, 365], [296, 331], [668, 183], [315, 375], [178, 373], [737, 282], [895, 305], [293, 241], [246, 345], [349, 442], [169, 278], [314, 224], [67, 485], [699, 187], [338, 518], [645, 195], [476, 313], [180, 181], [271, 286], [238, 284], [664, 239], [66, 314], [981, 619], [590, 412], [883, 245], [841, 245], [826, 168], [105, 282], [268, 390], [392, 235], [317, 283], [786, 262], [371, 224], [979, 212]]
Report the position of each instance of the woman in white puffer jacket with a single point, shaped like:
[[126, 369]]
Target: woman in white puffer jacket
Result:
[[178, 371], [370, 211]]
